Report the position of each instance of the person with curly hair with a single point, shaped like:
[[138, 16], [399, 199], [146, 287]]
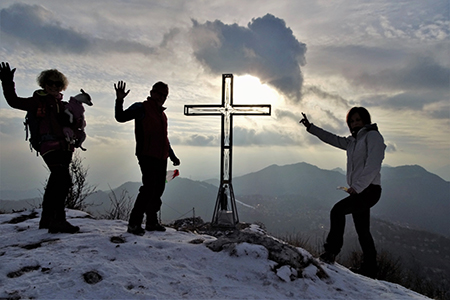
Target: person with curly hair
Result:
[[47, 107]]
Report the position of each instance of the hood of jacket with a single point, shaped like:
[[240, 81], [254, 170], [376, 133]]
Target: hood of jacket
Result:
[[365, 128]]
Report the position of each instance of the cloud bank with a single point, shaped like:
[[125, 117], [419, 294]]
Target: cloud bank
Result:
[[40, 28], [266, 49]]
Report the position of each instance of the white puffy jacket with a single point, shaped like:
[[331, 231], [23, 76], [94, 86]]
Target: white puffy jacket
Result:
[[365, 154]]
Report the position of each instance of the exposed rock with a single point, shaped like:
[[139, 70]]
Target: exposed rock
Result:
[[38, 244], [92, 277], [22, 271], [23, 218], [188, 224], [291, 262], [281, 253], [117, 240]]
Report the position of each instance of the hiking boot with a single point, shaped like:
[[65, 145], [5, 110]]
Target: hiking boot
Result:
[[136, 230], [328, 257], [155, 227], [62, 227], [43, 224]]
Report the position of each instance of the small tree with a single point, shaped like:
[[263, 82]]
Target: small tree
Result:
[[120, 206], [80, 189]]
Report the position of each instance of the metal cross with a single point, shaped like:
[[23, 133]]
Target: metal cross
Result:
[[225, 212]]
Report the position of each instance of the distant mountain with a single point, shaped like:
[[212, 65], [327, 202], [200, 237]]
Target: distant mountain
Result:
[[8, 206], [297, 179], [181, 199], [415, 197], [411, 195], [20, 195]]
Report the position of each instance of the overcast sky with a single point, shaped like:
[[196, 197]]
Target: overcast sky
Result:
[[318, 57]]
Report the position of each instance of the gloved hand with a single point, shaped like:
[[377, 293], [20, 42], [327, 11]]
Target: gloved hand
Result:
[[175, 160], [173, 157], [6, 74]]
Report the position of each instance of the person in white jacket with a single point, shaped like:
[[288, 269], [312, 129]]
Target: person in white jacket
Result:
[[365, 152]]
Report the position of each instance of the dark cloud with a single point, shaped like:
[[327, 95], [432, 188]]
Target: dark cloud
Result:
[[241, 137], [331, 122], [338, 58], [38, 26], [266, 48], [334, 99], [384, 69], [420, 73], [287, 114], [419, 101], [35, 25]]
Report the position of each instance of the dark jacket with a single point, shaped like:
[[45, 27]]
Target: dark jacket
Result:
[[150, 127], [50, 112]]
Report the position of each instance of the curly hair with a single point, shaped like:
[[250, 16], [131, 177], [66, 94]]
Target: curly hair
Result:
[[45, 75]]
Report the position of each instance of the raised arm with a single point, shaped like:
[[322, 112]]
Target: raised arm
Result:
[[325, 136], [9, 91], [121, 115]]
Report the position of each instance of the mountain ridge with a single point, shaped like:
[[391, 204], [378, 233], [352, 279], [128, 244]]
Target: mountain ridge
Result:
[[405, 198]]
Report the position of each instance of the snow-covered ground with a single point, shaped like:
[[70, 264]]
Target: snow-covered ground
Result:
[[159, 265]]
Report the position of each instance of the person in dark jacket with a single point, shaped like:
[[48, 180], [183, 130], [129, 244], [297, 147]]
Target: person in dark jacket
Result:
[[152, 150], [48, 107], [365, 153]]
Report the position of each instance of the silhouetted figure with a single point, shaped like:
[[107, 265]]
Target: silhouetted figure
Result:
[[365, 153], [152, 150], [47, 107]]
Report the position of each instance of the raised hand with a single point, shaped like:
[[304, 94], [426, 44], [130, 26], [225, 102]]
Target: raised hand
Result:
[[305, 121], [6, 74], [120, 90]]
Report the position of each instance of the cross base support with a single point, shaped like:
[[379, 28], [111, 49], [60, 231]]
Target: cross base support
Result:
[[224, 215]]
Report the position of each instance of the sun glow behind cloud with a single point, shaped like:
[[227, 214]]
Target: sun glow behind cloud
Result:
[[249, 90]]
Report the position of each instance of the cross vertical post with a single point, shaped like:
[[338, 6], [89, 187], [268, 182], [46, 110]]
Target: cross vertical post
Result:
[[225, 211]]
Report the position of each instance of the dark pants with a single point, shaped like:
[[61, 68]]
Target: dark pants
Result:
[[148, 200], [58, 185], [359, 206]]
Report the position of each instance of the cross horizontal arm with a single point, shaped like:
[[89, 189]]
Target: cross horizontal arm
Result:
[[237, 109], [251, 109], [206, 109]]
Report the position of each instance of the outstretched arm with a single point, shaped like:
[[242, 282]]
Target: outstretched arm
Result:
[[323, 135]]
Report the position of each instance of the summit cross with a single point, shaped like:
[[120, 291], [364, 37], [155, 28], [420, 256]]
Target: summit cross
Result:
[[225, 211]]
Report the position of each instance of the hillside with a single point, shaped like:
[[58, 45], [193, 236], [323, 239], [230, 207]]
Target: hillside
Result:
[[409, 222], [411, 196], [422, 252], [105, 262]]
